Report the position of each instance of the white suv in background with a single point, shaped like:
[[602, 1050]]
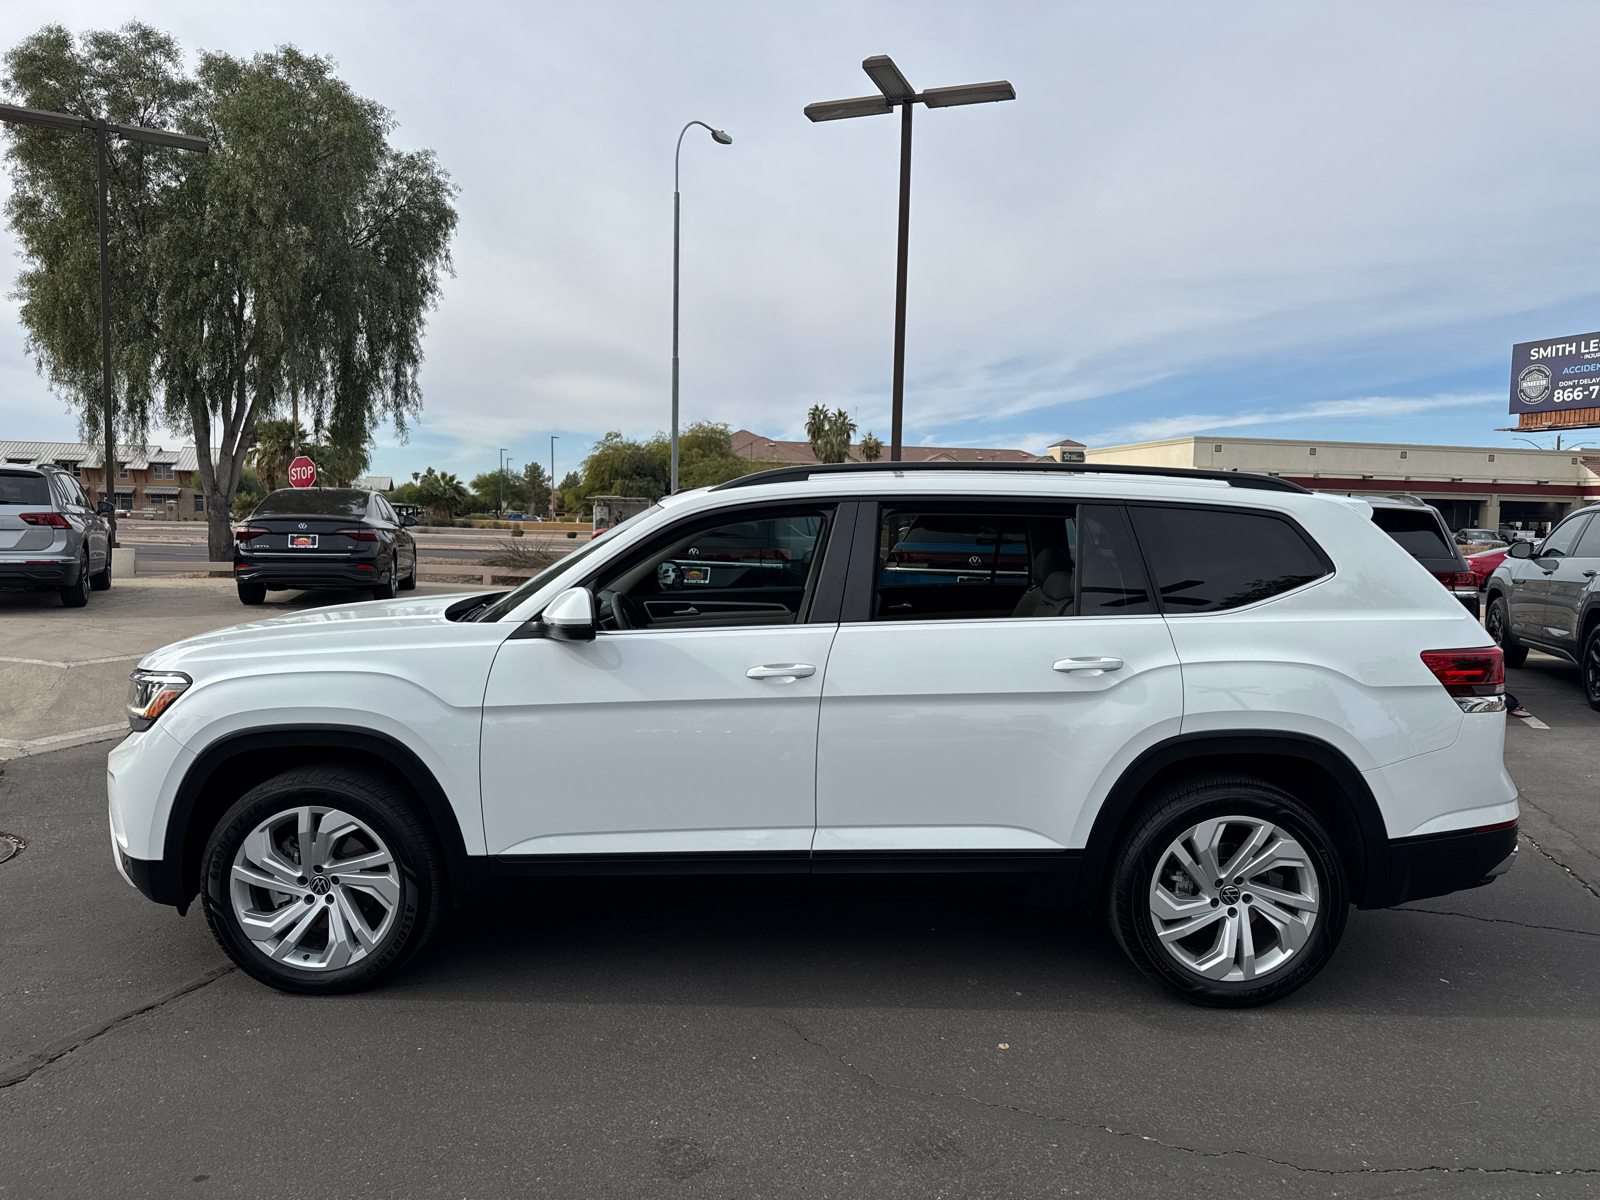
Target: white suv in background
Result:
[[1214, 708]]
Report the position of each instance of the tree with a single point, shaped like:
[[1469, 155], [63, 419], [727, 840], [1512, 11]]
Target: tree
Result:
[[501, 490], [296, 261], [338, 465], [830, 433], [537, 481], [619, 466], [442, 494], [871, 448], [274, 451]]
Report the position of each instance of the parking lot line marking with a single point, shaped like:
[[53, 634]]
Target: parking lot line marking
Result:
[[1534, 723], [79, 662], [12, 748]]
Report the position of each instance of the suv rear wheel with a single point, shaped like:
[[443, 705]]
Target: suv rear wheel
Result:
[[322, 880], [76, 595], [1229, 892], [1498, 623], [1590, 660]]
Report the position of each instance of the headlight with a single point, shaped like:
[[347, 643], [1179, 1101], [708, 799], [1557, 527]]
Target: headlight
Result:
[[150, 693]]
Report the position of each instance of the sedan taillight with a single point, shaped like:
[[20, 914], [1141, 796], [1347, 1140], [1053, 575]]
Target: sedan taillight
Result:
[[55, 520], [359, 534], [1475, 679], [1458, 581], [245, 532]]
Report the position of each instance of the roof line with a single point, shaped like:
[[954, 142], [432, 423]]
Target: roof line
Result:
[[1239, 479]]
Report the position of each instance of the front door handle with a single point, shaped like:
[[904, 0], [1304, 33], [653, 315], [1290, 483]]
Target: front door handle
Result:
[[1093, 666], [781, 671]]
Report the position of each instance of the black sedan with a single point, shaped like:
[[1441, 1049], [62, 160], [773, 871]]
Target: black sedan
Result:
[[324, 538]]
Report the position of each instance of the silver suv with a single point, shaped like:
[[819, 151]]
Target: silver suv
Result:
[[51, 538]]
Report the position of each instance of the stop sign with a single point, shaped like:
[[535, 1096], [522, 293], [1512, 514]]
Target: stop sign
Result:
[[302, 472]]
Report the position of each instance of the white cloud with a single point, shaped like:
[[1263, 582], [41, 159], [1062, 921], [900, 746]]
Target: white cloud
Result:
[[1368, 407]]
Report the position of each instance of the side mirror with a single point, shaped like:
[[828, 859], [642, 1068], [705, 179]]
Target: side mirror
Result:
[[1520, 549], [570, 616], [408, 522], [105, 508]]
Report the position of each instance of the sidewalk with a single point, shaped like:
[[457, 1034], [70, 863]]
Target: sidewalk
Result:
[[64, 671]]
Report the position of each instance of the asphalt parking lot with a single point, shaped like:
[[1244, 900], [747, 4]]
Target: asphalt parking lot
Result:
[[773, 1040]]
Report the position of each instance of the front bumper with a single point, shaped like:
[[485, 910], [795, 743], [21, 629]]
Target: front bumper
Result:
[[342, 573], [1439, 863], [39, 572]]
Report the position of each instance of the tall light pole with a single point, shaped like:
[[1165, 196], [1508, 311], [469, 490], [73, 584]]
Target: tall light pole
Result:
[[500, 482], [881, 70], [553, 438], [724, 139], [103, 132]]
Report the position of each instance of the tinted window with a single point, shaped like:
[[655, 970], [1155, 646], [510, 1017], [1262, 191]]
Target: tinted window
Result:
[[1589, 544], [1206, 560], [24, 487], [333, 502], [756, 571], [1068, 561], [1560, 543], [1416, 529]]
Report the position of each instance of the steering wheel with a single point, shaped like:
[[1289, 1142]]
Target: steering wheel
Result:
[[625, 612]]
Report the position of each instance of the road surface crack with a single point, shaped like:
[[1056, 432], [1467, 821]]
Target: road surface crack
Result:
[[1582, 882], [27, 1065], [1088, 1126], [1441, 912]]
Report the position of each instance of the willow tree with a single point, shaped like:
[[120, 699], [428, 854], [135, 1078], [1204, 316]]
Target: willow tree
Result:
[[296, 263]]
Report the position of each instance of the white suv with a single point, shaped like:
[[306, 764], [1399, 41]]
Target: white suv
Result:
[[1215, 708]]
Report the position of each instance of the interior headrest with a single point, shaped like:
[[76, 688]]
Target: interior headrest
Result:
[[1049, 561], [1057, 586]]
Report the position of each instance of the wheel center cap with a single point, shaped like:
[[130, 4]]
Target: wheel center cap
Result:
[[320, 885], [1228, 895]]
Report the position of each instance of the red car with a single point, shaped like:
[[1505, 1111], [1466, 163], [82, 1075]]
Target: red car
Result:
[[1484, 562]]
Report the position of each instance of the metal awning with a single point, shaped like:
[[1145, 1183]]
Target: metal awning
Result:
[[161, 491]]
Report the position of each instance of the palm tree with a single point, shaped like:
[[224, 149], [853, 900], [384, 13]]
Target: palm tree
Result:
[[871, 448], [273, 451], [442, 494]]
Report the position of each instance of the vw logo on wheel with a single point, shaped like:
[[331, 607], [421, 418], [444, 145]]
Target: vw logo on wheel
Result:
[[1229, 894], [1533, 385], [320, 885]]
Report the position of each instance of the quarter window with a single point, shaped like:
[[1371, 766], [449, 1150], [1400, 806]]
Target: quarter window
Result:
[[1589, 544], [759, 570], [1062, 561], [1208, 560]]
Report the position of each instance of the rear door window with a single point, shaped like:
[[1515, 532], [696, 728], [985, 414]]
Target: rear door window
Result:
[[1588, 546], [1209, 560], [1052, 561], [24, 487]]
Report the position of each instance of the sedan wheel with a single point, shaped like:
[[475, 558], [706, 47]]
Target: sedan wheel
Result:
[[391, 583]]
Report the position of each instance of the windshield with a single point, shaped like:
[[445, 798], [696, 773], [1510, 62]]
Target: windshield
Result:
[[24, 487], [512, 599], [1417, 531], [321, 502]]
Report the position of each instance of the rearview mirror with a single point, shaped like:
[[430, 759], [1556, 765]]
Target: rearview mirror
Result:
[[570, 617], [105, 508], [1521, 550]]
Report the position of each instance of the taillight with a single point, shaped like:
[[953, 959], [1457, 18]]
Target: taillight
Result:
[[1458, 581], [55, 520], [1475, 679], [361, 534], [245, 532]]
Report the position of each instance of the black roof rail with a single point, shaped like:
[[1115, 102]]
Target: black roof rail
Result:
[[1238, 479]]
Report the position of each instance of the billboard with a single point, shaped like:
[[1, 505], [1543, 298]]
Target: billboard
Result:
[[1556, 374]]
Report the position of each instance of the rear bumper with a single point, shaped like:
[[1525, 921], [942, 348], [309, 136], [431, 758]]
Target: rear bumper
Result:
[[1439, 863], [40, 572], [347, 573]]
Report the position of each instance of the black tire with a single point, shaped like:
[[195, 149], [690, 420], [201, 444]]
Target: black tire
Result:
[[252, 593], [76, 595], [409, 583], [1144, 853], [102, 581], [1589, 661], [1498, 623], [386, 589], [371, 801]]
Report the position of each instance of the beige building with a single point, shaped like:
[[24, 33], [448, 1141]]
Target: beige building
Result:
[[1473, 486], [148, 480]]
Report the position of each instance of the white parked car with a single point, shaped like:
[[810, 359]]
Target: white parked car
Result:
[[1214, 708]]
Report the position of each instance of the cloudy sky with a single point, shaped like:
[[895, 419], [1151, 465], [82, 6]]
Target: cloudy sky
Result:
[[1276, 220]]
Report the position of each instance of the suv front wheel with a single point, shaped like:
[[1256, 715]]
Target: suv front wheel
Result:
[[1230, 892], [322, 880]]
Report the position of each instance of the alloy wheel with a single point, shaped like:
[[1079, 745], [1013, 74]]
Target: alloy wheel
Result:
[[1234, 898], [314, 888], [1591, 669]]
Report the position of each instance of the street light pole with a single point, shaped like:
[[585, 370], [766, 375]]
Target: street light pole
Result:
[[553, 438], [880, 68], [500, 482], [103, 132], [724, 139]]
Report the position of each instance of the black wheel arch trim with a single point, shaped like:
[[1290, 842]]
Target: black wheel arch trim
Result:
[[174, 881], [1369, 877]]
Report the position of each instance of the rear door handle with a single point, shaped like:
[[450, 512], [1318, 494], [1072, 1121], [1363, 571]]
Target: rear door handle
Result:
[[1092, 665], [781, 671]]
